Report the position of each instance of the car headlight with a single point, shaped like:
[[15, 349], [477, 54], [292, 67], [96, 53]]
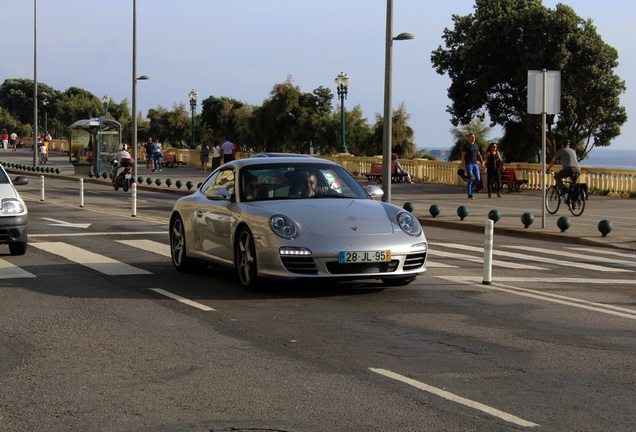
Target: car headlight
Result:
[[283, 226], [12, 206], [409, 223]]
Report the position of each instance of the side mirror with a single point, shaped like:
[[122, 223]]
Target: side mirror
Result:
[[375, 191], [20, 180], [219, 194]]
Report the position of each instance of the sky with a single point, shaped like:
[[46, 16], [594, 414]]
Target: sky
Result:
[[242, 48]]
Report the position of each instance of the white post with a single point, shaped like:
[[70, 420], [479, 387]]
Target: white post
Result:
[[134, 199], [488, 242], [42, 189], [81, 192]]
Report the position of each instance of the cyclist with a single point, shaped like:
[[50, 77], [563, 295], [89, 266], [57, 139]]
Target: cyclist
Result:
[[569, 162]]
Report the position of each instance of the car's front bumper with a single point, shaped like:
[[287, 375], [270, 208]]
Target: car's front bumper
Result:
[[13, 229]]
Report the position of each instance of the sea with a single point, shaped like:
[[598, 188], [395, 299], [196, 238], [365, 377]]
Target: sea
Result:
[[607, 157], [599, 157]]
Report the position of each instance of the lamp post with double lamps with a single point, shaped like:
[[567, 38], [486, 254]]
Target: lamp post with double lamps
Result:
[[193, 96], [387, 137], [342, 84]]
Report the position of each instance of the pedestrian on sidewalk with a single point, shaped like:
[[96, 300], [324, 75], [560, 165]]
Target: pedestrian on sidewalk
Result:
[[5, 140], [216, 155], [205, 156], [470, 154], [13, 139], [149, 147], [494, 165], [229, 151], [157, 155]]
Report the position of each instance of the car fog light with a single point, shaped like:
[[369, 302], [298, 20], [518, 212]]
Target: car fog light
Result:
[[419, 247], [298, 251]]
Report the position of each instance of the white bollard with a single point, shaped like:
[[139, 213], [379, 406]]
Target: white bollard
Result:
[[488, 242], [42, 189], [81, 192], [134, 199]]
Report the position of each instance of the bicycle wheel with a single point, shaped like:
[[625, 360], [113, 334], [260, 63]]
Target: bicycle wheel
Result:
[[576, 203], [552, 199]]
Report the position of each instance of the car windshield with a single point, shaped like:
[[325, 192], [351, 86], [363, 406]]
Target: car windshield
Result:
[[273, 181], [3, 177]]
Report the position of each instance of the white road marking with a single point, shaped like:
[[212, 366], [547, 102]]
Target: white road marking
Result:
[[149, 246], [623, 254], [499, 263], [11, 271], [573, 255], [89, 259], [83, 234], [549, 297], [183, 300], [433, 264], [526, 257], [454, 398]]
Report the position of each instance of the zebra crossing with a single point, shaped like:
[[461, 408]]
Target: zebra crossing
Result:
[[443, 257]]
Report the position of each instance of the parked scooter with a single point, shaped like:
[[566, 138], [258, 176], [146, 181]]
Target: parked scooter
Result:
[[124, 177]]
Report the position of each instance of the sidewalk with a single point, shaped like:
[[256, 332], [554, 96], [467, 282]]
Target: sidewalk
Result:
[[584, 229]]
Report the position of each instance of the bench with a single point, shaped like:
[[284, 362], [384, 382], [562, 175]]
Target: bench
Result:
[[170, 160], [509, 177], [376, 173]]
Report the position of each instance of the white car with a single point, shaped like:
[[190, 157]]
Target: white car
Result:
[[13, 214], [294, 218]]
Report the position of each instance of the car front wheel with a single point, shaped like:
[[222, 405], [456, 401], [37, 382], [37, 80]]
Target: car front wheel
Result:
[[18, 248], [178, 252], [246, 259]]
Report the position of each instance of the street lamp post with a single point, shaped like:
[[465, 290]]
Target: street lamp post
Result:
[[105, 100], [342, 84], [193, 95], [45, 102], [387, 145], [134, 104]]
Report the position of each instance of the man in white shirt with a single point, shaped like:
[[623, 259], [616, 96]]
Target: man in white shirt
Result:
[[228, 150]]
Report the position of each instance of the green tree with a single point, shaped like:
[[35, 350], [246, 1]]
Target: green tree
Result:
[[488, 54], [173, 128], [402, 134]]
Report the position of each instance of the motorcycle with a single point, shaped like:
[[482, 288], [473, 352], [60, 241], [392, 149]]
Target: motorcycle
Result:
[[125, 176]]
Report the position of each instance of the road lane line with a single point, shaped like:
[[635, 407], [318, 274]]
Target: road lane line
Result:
[[84, 234], [526, 257], [89, 259], [549, 297], [148, 246], [11, 271], [454, 398], [183, 300], [624, 254], [480, 260], [582, 257]]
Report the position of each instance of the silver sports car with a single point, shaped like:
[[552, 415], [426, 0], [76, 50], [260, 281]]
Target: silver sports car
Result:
[[292, 218]]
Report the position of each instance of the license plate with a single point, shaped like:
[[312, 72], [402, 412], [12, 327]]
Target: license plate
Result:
[[365, 256], [128, 176]]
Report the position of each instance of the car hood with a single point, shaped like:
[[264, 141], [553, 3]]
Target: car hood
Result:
[[334, 217], [7, 191]]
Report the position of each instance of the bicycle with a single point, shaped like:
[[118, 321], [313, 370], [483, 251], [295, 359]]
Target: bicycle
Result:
[[574, 196]]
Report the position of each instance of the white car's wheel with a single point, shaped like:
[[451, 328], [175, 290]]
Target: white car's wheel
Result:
[[246, 259], [18, 248]]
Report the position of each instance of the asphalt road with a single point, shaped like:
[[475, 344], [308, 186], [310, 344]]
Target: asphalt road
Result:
[[98, 332]]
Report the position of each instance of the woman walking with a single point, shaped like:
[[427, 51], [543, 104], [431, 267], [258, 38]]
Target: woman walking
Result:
[[205, 157], [494, 165]]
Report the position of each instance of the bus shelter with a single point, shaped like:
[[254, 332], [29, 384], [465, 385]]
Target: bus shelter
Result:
[[92, 144]]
